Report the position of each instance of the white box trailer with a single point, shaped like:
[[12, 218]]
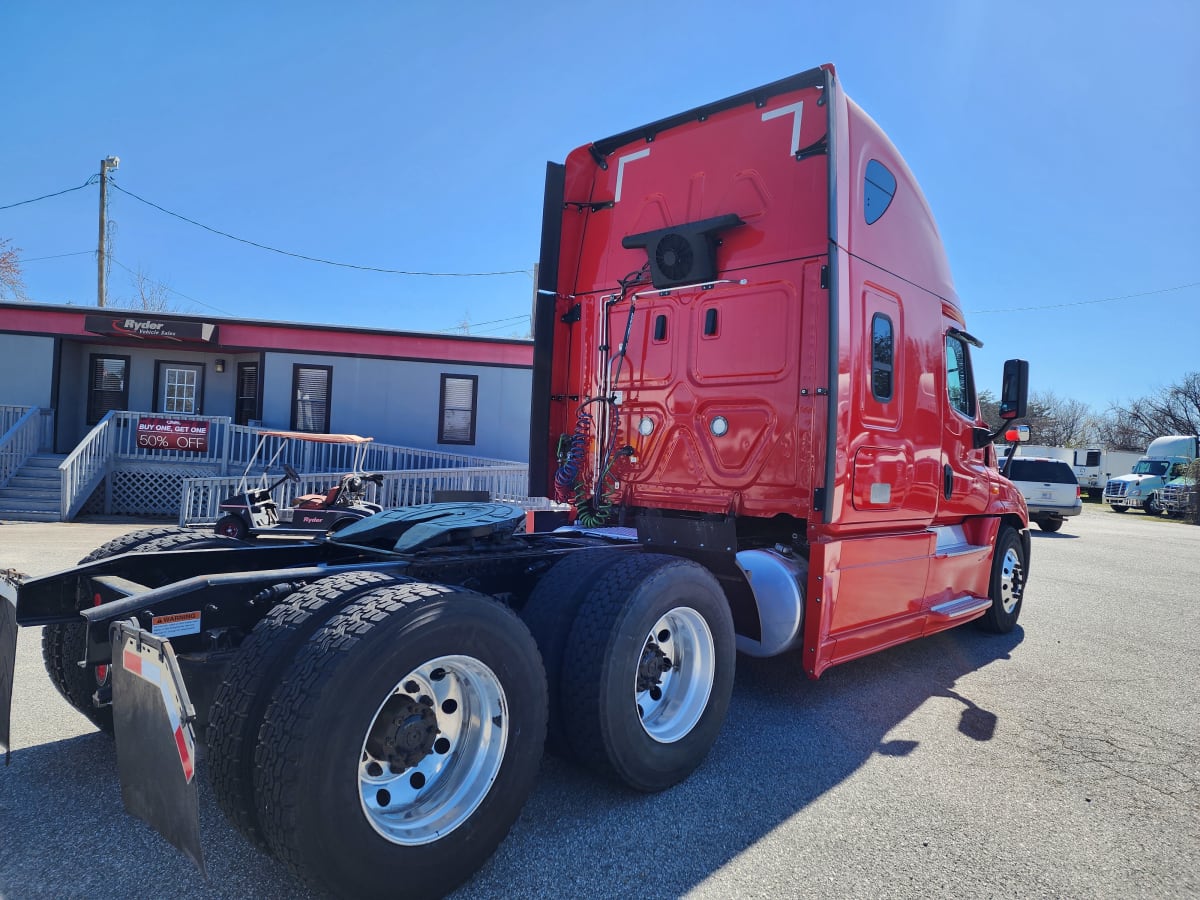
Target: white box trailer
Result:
[[1094, 467]]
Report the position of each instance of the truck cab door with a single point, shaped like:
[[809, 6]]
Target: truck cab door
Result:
[[964, 479]]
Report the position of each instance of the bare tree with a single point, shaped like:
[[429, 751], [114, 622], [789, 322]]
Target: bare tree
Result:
[[989, 407], [1174, 409], [1060, 422], [12, 282], [149, 294]]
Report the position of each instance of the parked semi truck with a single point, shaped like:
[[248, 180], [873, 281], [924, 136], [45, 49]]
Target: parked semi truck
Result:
[[1166, 458], [753, 384]]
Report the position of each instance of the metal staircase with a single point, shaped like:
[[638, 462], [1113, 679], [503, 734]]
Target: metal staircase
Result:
[[34, 493]]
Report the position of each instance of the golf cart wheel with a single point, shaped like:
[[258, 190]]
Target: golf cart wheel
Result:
[[649, 671], [63, 642], [253, 676], [231, 526], [428, 706]]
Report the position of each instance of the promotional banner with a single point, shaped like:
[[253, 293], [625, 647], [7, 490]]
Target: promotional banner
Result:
[[173, 434]]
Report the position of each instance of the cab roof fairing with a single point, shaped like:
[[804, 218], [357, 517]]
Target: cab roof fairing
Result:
[[908, 222]]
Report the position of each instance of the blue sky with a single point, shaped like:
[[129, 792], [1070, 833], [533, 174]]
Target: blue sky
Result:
[[1057, 144]]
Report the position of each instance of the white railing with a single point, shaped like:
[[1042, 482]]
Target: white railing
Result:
[[111, 447], [232, 446], [201, 497], [19, 441], [9, 414], [86, 465]]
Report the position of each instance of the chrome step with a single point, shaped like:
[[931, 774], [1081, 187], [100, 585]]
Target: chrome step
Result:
[[960, 606]]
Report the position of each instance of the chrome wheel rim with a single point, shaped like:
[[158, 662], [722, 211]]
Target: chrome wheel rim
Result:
[[1012, 580], [433, 750], [675, 675]]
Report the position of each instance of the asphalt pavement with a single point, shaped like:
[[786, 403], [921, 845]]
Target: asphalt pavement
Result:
[[1060, 760]]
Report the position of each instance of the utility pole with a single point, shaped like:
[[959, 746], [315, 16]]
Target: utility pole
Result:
[[110, 162]]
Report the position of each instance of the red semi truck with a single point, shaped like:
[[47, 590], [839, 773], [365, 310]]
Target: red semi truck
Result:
[[753, 385]]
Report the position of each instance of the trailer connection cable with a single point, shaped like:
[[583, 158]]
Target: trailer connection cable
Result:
[[572, 449]]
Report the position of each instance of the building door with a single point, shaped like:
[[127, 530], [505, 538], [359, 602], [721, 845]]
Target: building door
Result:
[[108, 386], [180, 389]]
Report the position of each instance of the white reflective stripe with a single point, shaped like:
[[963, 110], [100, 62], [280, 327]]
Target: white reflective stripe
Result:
[[151, 671], [641, 154], [795, 110]]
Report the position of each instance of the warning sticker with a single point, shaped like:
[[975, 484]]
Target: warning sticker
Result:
[[176, 625]]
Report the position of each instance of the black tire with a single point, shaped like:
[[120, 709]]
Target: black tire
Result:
[[1151, 508], [612, 648], [1119, 509], [1009, 570], [232, 526], [1050, 524], [242, 698], [318, 732], [63, 642], [549, 614]]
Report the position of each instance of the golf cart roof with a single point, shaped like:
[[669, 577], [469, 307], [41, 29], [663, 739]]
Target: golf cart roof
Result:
[[318, 438]]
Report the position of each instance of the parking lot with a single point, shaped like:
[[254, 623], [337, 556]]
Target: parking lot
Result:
[[1061, 760]]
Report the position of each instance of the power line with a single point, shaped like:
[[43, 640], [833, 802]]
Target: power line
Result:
[[477, 324], [170, 289], [91, 180], [57, 256], [317, 259], [1178, 287]]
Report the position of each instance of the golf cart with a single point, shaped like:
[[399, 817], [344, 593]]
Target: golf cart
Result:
[[253, 511]]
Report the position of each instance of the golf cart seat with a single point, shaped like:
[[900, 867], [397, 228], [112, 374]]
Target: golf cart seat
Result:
[[319, 501]]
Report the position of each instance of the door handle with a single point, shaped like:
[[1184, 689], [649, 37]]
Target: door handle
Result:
[[947, 481]]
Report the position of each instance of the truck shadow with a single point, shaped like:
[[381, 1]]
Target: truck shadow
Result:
[[67, 834], [787, 742]]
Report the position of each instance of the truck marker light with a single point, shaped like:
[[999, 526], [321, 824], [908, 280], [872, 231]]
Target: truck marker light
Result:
[[646, 426], [719, 426]]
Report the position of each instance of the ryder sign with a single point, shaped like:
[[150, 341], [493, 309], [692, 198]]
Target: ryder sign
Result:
[[173, 434]]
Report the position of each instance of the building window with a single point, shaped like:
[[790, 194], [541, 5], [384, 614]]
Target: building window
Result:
[[178, 388], [247, 407], [108, 386], [959, 385], [879, 187], [882, 350], [312, 387], [459, 393]]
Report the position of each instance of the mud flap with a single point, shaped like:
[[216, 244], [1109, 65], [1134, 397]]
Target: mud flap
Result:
[[8, 660], [156, 742]]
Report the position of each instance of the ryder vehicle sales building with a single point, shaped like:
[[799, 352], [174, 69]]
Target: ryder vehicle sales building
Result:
[[457, 393]]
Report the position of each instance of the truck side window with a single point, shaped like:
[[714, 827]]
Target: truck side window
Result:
[[879, 187], [959, 385], [881, 357]]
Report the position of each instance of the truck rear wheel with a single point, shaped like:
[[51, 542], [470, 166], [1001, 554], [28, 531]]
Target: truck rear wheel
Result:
[[63, 642], [402, 742], [1119, 509], [1050, 524], [549, 614], [242, 698], [650, 671], [1009, 568]]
